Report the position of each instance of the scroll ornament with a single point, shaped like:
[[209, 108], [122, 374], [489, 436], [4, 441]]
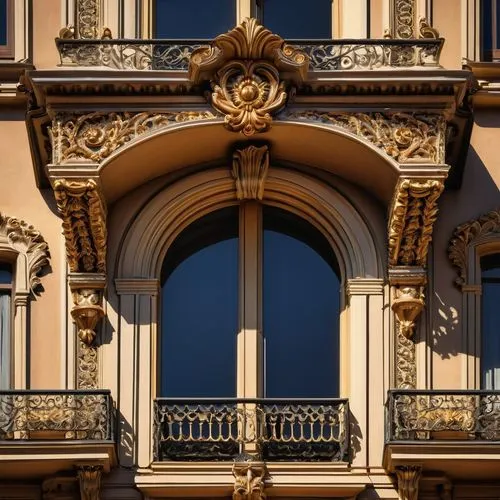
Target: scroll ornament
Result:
[[466, 235], [413, 213], [248, 68]]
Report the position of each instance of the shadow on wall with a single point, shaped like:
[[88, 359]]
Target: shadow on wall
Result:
[[479, 194]]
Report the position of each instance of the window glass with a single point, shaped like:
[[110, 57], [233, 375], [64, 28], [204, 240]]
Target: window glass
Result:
[[301, 295], [296, 19], [200, 309], [490, 340], [5, 320], [3, 22], [194, 18]]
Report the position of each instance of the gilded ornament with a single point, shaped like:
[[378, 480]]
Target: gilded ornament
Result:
[[404, 19], [87, 366], [407, 306], [88, 18], [89, 477], [467, 235], [248, 68], [250, 167], [26, 240], [82, 208], [87, 312], [94, 136], [408, 481], [425, 30], [249, 481], [413, 213]]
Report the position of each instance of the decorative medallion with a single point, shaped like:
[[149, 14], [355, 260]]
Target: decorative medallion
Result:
[[249, 69]]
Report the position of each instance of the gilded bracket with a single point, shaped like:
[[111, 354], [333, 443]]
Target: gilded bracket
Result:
[[249, 481], [408, 481], [89, 477], [250, 167], [249, 68]]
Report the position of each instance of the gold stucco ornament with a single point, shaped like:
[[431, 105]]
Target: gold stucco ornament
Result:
[[249, 69]]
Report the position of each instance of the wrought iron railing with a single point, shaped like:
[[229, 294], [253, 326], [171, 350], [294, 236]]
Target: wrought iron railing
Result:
[[451, 415], [52, 415], [325, 55], [210, 429]]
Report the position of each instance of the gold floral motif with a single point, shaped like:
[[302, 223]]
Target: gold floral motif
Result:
[[250, 166], [82, 208], [407, 306], [406, 368], [413, 213], [406, 137], [94, 136], [249, 481], [408, 481], [247, 68], [466, 235], [26, 240], [87, 367]]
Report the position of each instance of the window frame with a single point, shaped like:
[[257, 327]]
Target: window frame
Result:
[[7, 51], [10, 287]]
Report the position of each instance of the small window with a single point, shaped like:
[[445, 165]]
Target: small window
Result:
[[296, 19], [490, 338], [5, 325], [490, 30], [6, 29], [193, 19]]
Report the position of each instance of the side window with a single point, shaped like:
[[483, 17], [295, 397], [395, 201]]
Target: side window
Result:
[[6, 29], [5, 326], [490, 340], [192, 19], [490, 30]]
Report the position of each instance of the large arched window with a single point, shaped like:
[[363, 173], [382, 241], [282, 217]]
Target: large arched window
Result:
[[250, 308]]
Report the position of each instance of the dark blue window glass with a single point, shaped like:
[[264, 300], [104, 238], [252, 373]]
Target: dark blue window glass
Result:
[[3, 22], [490, 338], [5, 274], [200, 309], [301, 309], [298, 19], [188, 19]]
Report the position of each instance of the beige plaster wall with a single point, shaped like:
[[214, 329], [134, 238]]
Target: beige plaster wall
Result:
[[446, 18], [480, 193], [19, 197], [46, 26]]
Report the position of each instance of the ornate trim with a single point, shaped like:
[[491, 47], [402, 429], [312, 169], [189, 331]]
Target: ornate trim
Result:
[[414, 210], [84, 224], [87, 312], [26, 240], [87, 366], [89, 477], [404, 18], [406, 137], [408, 479], [94, 136], [249, 481], [407, 306], [406, 368], [247, 68], [466, 235], [425, 30], [88, 18], [250, 167]]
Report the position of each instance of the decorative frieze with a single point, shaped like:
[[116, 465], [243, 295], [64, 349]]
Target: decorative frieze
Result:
[[413, 212], [82, 208], [406, 368], [249, 481], [250, 167], [26, 240], [467, 235], [94, 136], [248, 68], [406, 137]]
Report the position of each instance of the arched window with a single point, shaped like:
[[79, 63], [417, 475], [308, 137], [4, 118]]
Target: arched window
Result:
[[250, 308], [490, 339], [6, 353]]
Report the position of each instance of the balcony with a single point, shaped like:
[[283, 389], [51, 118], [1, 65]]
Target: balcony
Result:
[[325, 55], [272, 430], [56, 430], [455, 432]]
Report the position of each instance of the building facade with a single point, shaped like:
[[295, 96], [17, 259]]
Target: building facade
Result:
[[249, 249]]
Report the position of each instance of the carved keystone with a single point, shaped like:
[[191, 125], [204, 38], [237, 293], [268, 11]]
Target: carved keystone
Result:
[[250, 167]]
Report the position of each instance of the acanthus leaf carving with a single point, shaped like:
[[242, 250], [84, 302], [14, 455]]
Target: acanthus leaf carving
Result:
[[413, 213], [250, 167], [249, 481], [406, 137], [95, 136], [466, 235], [248, 68], [408, 481], [82, 208], [25, 239], [89, 477]]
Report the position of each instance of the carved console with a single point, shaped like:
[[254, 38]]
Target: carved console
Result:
[[250, 167], [89, 477], [249, 481], [408, 478]]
